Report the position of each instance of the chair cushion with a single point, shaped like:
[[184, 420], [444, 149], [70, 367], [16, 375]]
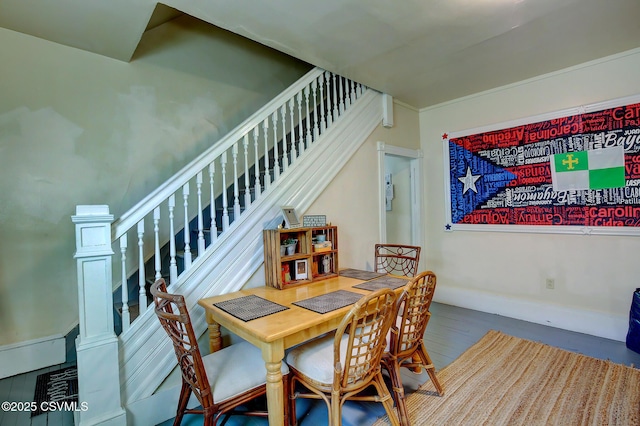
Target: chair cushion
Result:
[[236, 369], [315, 359]]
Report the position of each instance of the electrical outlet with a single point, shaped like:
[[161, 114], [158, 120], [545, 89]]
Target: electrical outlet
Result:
[[551, 283]]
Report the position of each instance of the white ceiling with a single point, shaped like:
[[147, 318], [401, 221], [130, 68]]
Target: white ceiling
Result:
[[422, 52]]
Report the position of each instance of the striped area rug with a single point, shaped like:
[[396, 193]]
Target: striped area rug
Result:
[[505, 380]]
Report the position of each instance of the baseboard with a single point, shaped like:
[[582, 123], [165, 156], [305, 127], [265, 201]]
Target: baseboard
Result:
[[579, 320], [156, 408], [31, 355]]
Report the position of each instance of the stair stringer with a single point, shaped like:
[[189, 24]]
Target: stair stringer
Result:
[[146, 355]]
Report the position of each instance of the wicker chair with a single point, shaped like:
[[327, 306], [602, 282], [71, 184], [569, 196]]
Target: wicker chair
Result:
[[340, 365], [397, 259], [221, 381], [406, 341]]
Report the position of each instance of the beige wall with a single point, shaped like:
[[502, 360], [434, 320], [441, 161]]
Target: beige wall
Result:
[[505, 272], [79, 128], [351, 200]]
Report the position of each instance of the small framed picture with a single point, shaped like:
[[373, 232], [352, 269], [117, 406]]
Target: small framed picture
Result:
[[301, 272], [291, 219]]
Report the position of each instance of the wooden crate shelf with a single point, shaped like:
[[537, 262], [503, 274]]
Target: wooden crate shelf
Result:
[[315, 261]]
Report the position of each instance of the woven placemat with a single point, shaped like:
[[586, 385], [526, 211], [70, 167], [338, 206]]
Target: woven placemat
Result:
[[330, 301], [382, 282], [248, 308], [360, 274]]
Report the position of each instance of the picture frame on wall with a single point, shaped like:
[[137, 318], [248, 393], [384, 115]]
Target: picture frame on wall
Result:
[[301, 269], [541, 173], [291, 219]]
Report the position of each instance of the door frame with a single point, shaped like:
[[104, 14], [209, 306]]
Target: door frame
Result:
[[415, 165]]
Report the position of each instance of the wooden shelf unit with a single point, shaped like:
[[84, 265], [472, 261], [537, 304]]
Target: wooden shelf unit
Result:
[[320, 265]]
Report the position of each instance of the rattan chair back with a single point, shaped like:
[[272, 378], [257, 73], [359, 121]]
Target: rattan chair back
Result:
[[172, 312], [397, 259], [406, 341], [198, 373]]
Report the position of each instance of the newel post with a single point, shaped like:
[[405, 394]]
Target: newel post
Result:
[[97, 344]]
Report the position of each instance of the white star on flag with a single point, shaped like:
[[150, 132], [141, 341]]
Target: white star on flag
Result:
[[469, 181]]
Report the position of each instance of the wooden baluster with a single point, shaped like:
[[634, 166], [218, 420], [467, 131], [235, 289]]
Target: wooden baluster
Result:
[[126, 315], [285, 147], [314, 88], [236, 190], [256, 167], [212, 206], [156, 240], [323, 118], [306, 100], [187, 232], [173, 264], [300, 140], [225, 202], [247, 189], [335, 98], [201, 244], [342, 94], [354, 96], [276, 154], [292, 135], [327, 80], [347, 93], [266, 177], [142, 294]]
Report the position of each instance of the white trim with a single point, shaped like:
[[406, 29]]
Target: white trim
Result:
[[416, 189], [156, 408], [579, 320], [159, 407], [416, 200], [382, 223], [32, 355]]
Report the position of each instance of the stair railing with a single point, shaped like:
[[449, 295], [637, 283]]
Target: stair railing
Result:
[[165, 233]]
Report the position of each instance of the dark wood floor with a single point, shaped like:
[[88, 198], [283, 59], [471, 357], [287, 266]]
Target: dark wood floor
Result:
[[450, 332]]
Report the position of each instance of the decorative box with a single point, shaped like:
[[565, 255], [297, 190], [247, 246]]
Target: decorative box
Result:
[[324, 246]]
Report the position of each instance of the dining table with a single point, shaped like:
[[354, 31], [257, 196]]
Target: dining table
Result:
[[275, 320]]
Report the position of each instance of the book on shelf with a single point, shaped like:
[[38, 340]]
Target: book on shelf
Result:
[[286, 273]]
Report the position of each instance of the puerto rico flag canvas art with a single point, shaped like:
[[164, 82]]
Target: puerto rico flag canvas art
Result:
[[578, 170]]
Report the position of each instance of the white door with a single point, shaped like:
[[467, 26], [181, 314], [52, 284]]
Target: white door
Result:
[[399, 221], [400, 200]]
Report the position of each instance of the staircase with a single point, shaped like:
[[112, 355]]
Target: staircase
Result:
[[285, 154]]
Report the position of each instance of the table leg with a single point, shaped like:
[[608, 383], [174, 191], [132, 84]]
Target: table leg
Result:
[[215, 339], [273, 355]]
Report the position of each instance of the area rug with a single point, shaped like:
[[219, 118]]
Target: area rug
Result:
[[56, 386], [505, 380]]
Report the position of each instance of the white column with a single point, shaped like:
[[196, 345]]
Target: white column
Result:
[[97, 344]]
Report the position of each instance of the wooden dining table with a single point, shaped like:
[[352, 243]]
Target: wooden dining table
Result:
[[276, 332]]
